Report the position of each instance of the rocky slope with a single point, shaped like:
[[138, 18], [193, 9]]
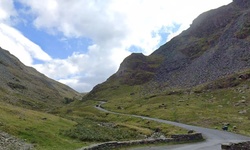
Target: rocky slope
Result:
[[24, 86], [216, 45], [8, 142]]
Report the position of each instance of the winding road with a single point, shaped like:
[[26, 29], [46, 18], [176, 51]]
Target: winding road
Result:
[[214, 138]]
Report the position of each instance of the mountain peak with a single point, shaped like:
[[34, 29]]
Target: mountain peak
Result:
[[216, 45]]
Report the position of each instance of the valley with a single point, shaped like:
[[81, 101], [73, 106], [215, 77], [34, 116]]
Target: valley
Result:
[[200, 77], [224, 101]]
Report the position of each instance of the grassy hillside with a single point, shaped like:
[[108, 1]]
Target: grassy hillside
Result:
[[49, 114], [197, 77], [224, 101], [77, 124], [74, 126], [26, 87], [108, 127], [135, 70], [163, 85], [41, 129]]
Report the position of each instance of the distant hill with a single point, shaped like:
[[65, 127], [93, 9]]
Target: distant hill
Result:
[[24, 86], [216, 45]]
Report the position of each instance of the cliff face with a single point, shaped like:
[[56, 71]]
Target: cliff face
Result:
[[216, 44], [242, 3], [24, 86]]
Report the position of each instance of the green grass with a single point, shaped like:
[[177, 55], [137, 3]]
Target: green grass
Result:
[[208, 109], [209, 105], [123, 127], [93, 131], [79, 124], [41, 129]]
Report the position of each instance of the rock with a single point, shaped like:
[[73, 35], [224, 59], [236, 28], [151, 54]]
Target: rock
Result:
[[157, 130], [244, 76], [8, 142], [162, 137], [132, 94], [157, 135], [119, 107], [226, 146], [242, 101], [236, 146], [225, 128], [109, 125], [234, 127], [44, 118], [190, 131], [242, 3], [237, 104], [243, 112], [226, 124], [162, 106]]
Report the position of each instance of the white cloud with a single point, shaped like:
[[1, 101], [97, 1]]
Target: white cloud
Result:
[[13, 40], [6, 10], [20, 46], [146, 16], [113, 25], [119, 23], [83, 71]]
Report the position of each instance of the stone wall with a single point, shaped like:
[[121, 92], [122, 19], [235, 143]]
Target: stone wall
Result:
[[236, 146], [187, 137], [174, 138]]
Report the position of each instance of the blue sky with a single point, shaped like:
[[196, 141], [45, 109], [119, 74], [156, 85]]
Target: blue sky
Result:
[[82, 42]]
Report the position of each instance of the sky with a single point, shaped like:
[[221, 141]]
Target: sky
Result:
[[82, 42]]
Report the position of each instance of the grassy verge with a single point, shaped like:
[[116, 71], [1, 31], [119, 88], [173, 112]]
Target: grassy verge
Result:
[[41, 129]]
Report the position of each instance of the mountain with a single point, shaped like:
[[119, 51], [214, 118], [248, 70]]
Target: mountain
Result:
[[24, 86], [215, 46]]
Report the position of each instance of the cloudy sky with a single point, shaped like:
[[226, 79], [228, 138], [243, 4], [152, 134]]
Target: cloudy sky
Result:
[[82, 42]]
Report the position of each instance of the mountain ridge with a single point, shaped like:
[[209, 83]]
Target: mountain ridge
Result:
[[216, 45], [219, 44], [25, 86]]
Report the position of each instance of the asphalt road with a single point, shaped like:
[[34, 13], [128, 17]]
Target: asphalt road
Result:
[[214, 138]]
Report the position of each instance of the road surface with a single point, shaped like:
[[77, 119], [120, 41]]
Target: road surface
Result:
[[214, 138]]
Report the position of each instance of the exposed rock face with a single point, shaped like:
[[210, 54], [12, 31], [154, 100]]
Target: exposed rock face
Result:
[[216, 45], [242, 3]]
